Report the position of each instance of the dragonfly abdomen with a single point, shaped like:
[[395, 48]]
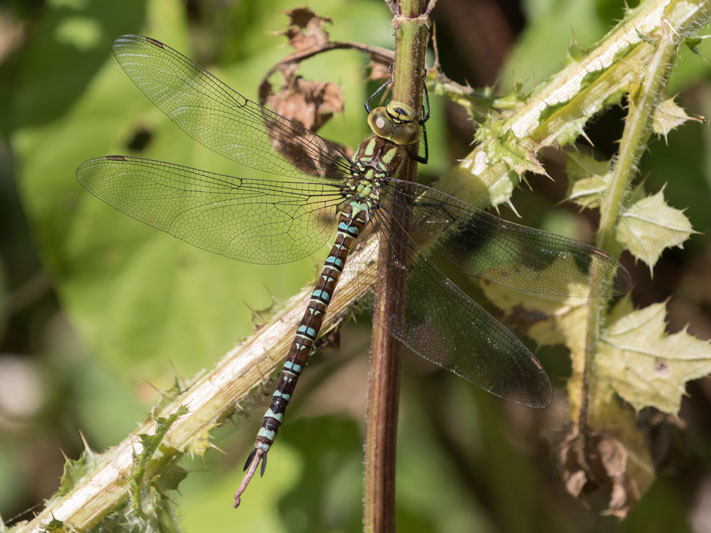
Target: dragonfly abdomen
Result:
[[376, 160], [350, 225]]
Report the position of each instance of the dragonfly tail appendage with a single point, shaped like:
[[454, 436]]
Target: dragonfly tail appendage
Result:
[[250, 467]]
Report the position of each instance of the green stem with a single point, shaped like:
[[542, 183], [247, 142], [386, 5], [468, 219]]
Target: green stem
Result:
[[642, 103]]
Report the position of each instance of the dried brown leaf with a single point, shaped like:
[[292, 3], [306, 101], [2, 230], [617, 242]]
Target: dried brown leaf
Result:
[[310, 103], [598, 463], [306, 29]]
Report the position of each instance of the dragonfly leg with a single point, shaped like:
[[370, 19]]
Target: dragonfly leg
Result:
[[380, 89]]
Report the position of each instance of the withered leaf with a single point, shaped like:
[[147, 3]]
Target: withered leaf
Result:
[[306, 29], [599, 463], [379, 70], [310, 103]]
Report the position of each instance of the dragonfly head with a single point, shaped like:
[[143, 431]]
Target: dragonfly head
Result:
[[396, 122]]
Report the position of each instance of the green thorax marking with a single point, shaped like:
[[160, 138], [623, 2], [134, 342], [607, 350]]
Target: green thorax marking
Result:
[[376, 160]]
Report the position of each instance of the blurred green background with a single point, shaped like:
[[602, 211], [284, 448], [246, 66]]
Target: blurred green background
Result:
[[98, 311]]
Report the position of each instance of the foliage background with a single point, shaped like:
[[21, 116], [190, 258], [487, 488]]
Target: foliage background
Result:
[[98, 311]]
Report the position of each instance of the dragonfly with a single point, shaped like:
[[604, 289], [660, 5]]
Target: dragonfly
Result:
[[311, 180]]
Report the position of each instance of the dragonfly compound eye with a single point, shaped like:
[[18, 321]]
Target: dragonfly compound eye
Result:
[[406, 133], [380, 122]]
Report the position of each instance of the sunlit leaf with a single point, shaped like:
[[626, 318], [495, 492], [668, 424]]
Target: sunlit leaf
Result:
[[75, 470], [646, 366], [588, 179], [649, 226], [667, 116]]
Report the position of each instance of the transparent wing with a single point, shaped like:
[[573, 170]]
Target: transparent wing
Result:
[[502, 252], [221, 118], [252, 220], [443, 325]]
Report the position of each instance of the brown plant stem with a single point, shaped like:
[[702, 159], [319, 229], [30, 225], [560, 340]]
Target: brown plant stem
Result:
[[411, 31], [375, 52]]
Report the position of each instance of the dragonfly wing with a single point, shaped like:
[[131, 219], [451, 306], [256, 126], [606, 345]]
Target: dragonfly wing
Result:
[[505, 253], [443, 325], [252, 220], [222, 119]]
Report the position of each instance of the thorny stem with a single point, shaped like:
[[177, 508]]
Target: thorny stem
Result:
[[209, 400], [576, 93], [638, 127], [411, 31]]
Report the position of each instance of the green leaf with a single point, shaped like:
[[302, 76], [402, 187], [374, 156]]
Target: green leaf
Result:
[[575, 51], [573, 129], [57, 526], [151, 444], [667, 116], [502, 145], [75, 470], [588, 179], [548, 319], [647, 367], [621, 456], [692, 44], [649, 226]]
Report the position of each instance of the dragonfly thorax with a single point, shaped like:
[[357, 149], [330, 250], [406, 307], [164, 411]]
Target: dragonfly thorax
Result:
[[376, 161]]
